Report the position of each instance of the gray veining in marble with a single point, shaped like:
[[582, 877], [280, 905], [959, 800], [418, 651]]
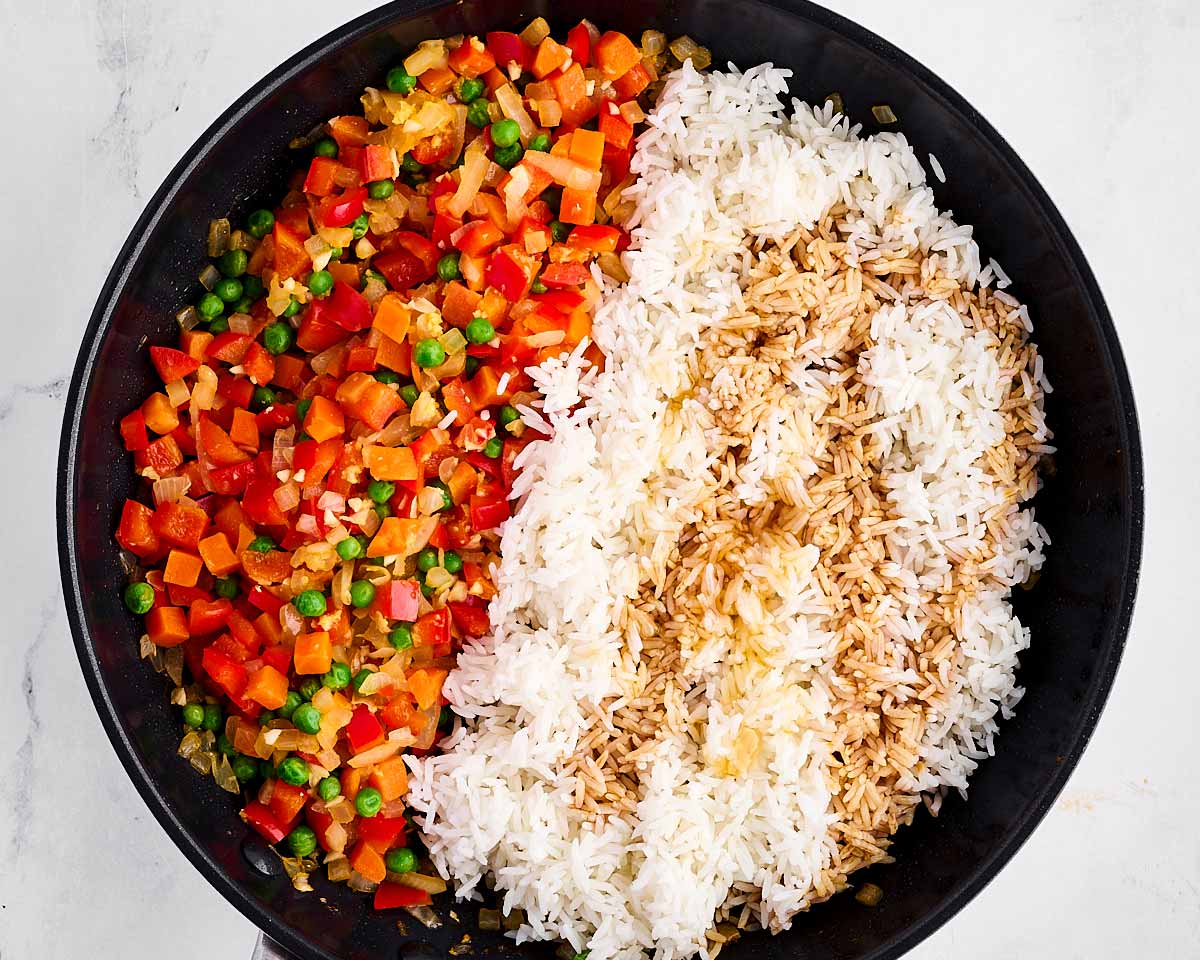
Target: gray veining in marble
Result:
[[101, 97]]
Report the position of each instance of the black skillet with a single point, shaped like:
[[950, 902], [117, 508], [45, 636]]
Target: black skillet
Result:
[[1079, 610]]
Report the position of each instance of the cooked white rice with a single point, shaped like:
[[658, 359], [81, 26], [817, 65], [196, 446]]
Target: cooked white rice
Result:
[[683, 715]]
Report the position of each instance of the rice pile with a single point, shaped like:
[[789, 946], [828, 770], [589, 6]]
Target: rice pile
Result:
[[753, 603]]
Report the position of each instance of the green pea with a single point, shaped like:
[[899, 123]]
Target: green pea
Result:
[[220, 325], [302, 408], [380, 189], [225, 745], [262, 398], [375, 275], [294, 770], [349, 549], [447, 266], [290, 705], [338, 677], [307, 719], [381, 491], [210, 306], [252, 286], [359, 226], [537, 287], [469, 89], [330, 788], [447, 500], [360, 678], [226, 587], [228, 289], [278, 338], [387, 376], [139, 598], [429, 353], [470, 366], [505, 132], [493, 448], [292, 308], [507, 415], [266, 717], [410, 164], [401, 861], [445, 718], [383, 510], [401, 636], [540, 143], [427, 559], [508, 157], [362, 593], [559, 230], [261, 544], [302, 841], [310, 603], [427, 591], [244, 768], [400, 80], [193, 715], [368, 802], [477, 114], [452, 562], [480, 330], [260, 223], [409, 393], [326, 147], [242, 306], [308, 689], [233, 263], [266, 769], [320, 282], [214, 718], [553, 198]]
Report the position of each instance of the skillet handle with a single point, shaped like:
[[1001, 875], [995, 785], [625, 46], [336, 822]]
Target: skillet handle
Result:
[[268, 949]]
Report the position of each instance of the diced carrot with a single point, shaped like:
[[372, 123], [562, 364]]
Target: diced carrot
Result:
[[570, 87], [390, 463], [182, 568], [313, 653], [392, 317], [324, 420], [346, 272], [615, 54], [395, 536], [549, 57], [243, 734], [364, 858], [579, 326], [289, 372], [267, 686], [425, 684], [269, 627], [161, 415], [459, 304], [167, 626], [390, 778], [244, 431], [562, 146], [350, 391], [587, 148], [630, 84], [245, 537], [351, 778], [578, 206], [462, 482], [495, 79], [217, 556], [195, 342], [394, 356], [437, 80]]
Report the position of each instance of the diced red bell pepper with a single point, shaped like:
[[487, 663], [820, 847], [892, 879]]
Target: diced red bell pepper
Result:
[[218, 446], [402, 270], [349, 131], [618, 131], [507, 275], [322, 177], [481, 237], [229, 347], [470, 619], [259, 502], [315, 458], [471, 59], [265, 600], [580, 43], [597, 237], [432, 629], [633, 82], [382, 833], [320, 823], [341, 210], [259, 365], [509, 48], [318, 330], [399, 711], [244, 632], [180, 525], [559, 275], [415, 244], [399, 599], [133, 431], [376, 163], [564, 301], [364, 730], [163, 455], [237, 390], [278, 656], [232, 480], [362, 359], [348, 308], [433, 149], [389, 896], [208, 616], [444, 227], [291, 259], [264, 822], [486, 515], [136, 532], [172, 364], [275, 416], [225, 671], [287, 801]]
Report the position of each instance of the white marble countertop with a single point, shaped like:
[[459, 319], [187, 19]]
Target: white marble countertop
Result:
[[102, 96]]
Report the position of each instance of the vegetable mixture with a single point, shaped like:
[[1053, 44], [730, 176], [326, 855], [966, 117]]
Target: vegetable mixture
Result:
[[336, 439]]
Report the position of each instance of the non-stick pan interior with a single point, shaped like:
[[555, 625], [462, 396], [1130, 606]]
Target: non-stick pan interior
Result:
[[1091, 504]]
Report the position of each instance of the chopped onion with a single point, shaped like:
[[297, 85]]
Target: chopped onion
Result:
[[326, 358], [356, 881], [883, 113], [537, 31], [420, 881], [453, 341], [458, 133], [331, 500], [209, 276], [402, 736], [337, 868], [611, 266], [549, 338], [473, 171], [438, 577], [241, 240], [549, 112], [224, 776], [336, 837], [654, 42], [514, 194], [374, 290], [364, 249], [287, 496], [539, 91], [170, 489], [446, 469], [425, 916], [189, 744], [336, 236], [318, 251], [376, 682], [289, 617], [429, 55], [187, 318], [489, 919], [399, 432], [512, 107], [218, 237], [631, 112], [565, 172], [242, 323], [177, 392], [283, 449], [385, 751]]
